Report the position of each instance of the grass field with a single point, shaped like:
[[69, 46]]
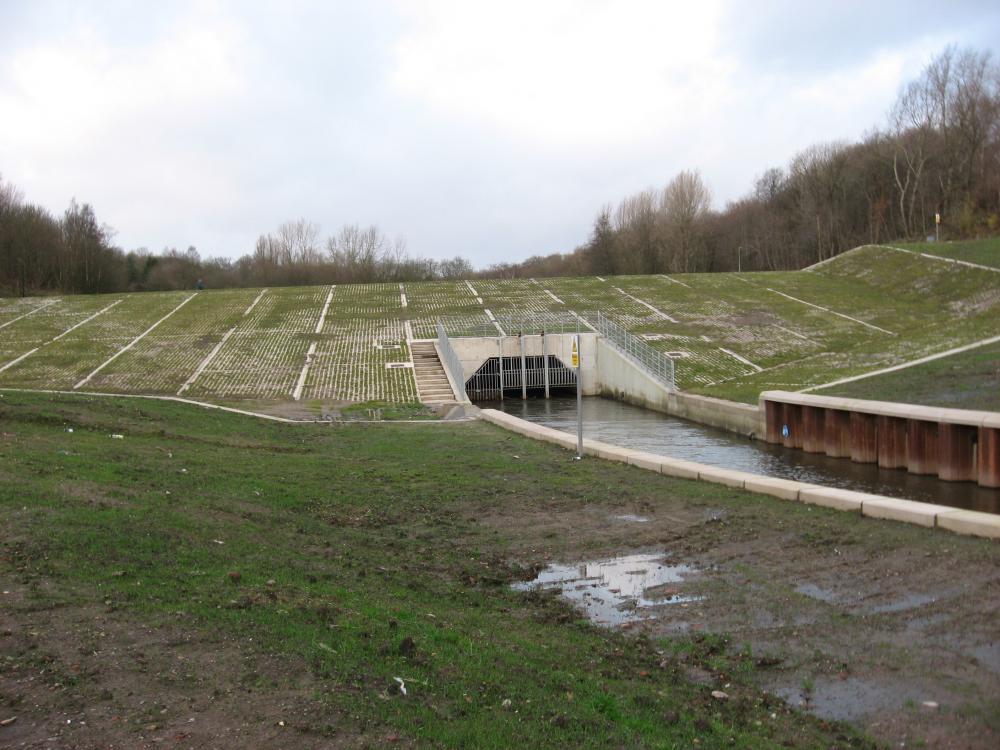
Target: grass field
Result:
[[732, 335], [984, 252], [212, 579], [969, 380]]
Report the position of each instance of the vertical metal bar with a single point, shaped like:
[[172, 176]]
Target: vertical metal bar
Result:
[[500, 348], [545, 361], [524, 370], [579, 398]]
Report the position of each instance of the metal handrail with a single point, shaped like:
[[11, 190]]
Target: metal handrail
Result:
[[527, 323], [656, 363], [449, 359]]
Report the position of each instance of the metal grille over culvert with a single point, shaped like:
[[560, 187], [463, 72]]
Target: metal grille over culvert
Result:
[[496, 375]]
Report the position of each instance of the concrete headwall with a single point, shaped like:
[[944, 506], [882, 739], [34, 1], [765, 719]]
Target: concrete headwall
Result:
[[619, 378], [606, 371], [473, 352]]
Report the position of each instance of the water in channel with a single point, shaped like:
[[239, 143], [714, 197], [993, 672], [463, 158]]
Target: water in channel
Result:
[[632, 427]]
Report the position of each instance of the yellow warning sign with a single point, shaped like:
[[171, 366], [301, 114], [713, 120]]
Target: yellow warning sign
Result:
[[576, 353]]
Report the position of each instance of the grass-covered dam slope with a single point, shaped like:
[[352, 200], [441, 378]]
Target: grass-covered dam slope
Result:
[[967, 380], [732, 334], [172, 572], [984, 252]]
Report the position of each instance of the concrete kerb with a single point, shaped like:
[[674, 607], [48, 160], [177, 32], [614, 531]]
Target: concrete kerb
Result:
[[907, 511], [972, 522], [830, 497], [873, 506], [786, 489], [727, 477]]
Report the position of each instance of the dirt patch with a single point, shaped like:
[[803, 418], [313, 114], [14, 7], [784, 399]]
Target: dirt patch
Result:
[[755, 318], [86, 676], [90, 493], [890, 627], [977, 304]]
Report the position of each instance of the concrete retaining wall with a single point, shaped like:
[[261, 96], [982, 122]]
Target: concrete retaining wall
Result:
[[618, 378], [607, 372], [874, 506]]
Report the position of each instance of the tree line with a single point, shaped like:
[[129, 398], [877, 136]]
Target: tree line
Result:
[[938, 153], [75, 254]]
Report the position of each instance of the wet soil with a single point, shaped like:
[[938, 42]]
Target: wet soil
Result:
[[888, 626], [82, 675]]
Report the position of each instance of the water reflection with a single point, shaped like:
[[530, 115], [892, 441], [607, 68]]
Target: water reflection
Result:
[[617, 590], [629, 426]]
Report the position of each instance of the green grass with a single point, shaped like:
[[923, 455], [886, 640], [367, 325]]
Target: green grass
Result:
[[984, 252], [969, 380], [347, 540], [386, 410]]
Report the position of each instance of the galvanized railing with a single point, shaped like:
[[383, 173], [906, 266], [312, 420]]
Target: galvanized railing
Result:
[[657, 364], [449, 359], [528, 323]]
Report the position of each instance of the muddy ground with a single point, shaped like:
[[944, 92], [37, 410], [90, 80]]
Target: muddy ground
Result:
[[88, 676], [890, 627]]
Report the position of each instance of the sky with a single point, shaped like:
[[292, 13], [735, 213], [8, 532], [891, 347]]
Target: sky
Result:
[[494, 131]]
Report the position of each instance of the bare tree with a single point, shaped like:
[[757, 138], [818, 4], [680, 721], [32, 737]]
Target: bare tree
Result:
[[684, 205]]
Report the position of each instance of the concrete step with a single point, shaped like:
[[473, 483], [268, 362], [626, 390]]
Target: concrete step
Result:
[[432, 381]]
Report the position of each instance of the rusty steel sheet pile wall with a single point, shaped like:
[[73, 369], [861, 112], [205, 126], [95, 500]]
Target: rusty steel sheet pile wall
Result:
[[956, 445]]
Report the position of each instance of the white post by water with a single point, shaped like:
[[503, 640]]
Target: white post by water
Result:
[[500, 349], [545, 362], [579, 397], [524, 370]]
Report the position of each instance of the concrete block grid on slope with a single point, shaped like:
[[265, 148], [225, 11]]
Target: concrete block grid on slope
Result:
[[732, 335], [968, 522]]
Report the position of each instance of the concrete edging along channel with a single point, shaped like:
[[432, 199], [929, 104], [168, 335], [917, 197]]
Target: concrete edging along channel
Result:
[[974, 523]]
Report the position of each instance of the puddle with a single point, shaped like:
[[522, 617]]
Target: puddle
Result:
[[988, 655], [632, 518], [923, 624], [909, 601], [618, 590], [851, 699], [815, 592]]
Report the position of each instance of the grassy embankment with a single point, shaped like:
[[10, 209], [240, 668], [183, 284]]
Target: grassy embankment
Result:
[[984, 252], [969, 380], [734, 334], [354, 553]]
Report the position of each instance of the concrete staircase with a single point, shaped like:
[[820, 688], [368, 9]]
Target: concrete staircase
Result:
[[432, 382]]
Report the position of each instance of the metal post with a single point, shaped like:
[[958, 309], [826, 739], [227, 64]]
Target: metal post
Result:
[[500, 347], [545, 361], [524, 370], [579, 397]]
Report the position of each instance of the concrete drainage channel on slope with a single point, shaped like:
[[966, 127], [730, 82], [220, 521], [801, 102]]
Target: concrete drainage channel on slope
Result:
[[875, 506]]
